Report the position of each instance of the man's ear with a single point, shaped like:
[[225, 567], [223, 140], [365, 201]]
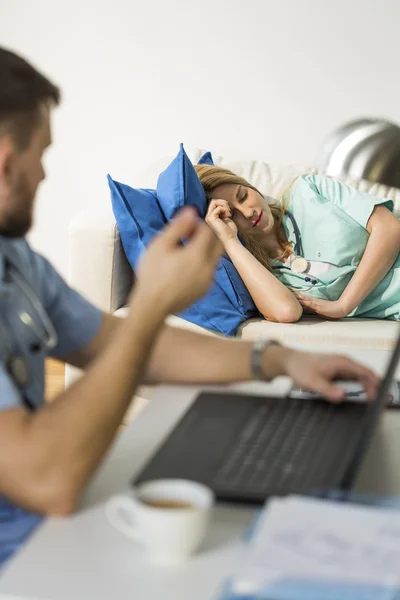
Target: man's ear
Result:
[[7, 160]]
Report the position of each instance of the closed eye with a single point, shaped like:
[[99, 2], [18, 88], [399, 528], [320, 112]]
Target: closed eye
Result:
[[243, 198]]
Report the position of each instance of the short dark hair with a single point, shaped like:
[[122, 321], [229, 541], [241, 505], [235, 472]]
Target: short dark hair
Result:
[[23, 91]]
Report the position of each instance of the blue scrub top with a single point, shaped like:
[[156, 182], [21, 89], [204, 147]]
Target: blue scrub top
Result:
[[332, 219], [75, 321]]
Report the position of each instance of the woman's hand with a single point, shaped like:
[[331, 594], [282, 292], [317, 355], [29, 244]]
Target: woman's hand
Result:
[[324, 308], [317, 373], [219, 218]]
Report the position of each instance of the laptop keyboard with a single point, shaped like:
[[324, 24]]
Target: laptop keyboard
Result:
[[247, 448], [291, 446]]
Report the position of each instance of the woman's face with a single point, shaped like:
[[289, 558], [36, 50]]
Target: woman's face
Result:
[[250, 211]]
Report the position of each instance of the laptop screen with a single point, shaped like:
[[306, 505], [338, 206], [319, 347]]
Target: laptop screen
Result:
[[374, 412]]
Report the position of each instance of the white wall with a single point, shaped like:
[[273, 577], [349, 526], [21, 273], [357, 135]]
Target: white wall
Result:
[[249, 78]]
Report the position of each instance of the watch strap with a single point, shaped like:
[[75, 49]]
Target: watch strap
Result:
[[257, 353]]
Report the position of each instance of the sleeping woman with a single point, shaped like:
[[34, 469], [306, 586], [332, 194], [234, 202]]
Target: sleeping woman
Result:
[[326, 248]]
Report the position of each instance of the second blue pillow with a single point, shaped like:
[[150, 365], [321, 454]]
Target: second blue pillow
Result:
[[139, 217], [206, 159]]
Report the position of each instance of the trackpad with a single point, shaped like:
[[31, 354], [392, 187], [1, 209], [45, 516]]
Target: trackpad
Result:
[[354, 393]]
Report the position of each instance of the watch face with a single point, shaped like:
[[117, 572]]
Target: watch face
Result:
[[299, 264]]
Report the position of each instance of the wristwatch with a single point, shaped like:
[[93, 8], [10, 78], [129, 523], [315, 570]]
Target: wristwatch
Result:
[[257, 352]]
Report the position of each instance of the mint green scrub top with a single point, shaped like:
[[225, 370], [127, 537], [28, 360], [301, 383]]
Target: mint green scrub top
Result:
[[332, 220]]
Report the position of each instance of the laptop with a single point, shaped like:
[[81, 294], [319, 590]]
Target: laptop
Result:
[[247, 448]]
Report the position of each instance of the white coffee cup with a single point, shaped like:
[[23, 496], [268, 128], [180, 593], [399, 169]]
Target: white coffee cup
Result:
[[168, 516]]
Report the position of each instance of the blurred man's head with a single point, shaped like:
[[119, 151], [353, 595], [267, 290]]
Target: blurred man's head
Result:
[[26, 98]]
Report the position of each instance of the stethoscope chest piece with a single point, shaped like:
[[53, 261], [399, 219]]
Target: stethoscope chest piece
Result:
[[298, 264], [18, 369]]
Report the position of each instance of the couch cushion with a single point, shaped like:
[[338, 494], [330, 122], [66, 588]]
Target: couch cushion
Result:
[[309, 331], [173, 321]]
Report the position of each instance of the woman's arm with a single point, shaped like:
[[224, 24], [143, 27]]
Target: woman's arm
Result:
[[272, 298], [380, 253], [275, 301]]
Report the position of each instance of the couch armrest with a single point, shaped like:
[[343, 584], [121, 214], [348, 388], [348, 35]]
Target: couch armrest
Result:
[[98, 267]]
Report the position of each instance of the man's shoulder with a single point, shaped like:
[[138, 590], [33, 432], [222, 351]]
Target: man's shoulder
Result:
[[32, 266], [18, 245], [18, 252]]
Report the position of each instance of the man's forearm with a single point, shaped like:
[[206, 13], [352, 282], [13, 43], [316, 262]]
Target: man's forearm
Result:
[[67, 439], [181, 356]]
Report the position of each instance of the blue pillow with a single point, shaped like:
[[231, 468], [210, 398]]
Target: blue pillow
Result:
[[206, 159], [179, 186], [139, 217]]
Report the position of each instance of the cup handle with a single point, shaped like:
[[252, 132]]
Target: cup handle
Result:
[[121, 513]]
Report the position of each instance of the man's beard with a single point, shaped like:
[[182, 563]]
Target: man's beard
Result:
[[18, 222]]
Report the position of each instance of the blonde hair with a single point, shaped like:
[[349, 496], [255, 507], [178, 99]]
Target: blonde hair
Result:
[[211, 177]]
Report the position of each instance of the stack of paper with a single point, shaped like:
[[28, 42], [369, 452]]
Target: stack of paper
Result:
[[317, 549]]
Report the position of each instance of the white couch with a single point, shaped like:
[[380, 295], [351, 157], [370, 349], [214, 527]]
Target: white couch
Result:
[[99, 268]]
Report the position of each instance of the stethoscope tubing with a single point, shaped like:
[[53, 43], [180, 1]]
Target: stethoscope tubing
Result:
[[51, 340], [299, 248]]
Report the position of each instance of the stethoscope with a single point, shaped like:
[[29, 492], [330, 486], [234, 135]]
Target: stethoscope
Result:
[[41, 326], [297, 263]]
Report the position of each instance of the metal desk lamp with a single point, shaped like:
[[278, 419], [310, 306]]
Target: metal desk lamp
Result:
[[363, 149]]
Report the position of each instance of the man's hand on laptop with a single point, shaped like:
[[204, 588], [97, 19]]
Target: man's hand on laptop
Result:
[[318, 372]]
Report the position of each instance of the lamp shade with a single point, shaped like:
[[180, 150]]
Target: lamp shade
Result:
[[363, 149]]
